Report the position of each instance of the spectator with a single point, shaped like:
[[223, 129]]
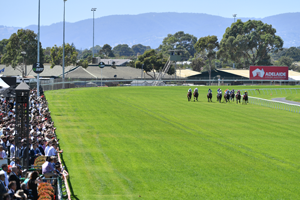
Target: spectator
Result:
[[47, 168], [2, 152], [41, 148], [32, 184], [54, 150], [48, 145], [12, 148], [2, 185], [14, 176], [3, 142], [5, 169], [12, 186], [34, 153]]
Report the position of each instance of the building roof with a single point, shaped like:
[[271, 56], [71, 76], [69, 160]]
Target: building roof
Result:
[[94, 72], [183, 73], [48, 72], [238, 72], [118, 62]]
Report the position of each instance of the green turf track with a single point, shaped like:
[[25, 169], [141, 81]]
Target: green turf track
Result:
[[126, 142]]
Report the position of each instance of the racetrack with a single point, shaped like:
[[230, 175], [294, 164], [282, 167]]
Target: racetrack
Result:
[[122, 143], [286, 101]]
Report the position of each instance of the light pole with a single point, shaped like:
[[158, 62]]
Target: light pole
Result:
[[64, 45], [24, 53], [93, 9], [234, 16], [38, 51]]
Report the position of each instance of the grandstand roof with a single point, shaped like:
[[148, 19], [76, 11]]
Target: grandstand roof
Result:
[[94, 72], [239, 72], [186, 72], [48, 72]]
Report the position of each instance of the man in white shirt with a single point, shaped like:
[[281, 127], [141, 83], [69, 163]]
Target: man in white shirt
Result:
[[2, 152], [12, 148], [53, 150]]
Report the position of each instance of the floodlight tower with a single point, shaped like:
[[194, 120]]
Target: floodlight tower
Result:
[[234, 16], [93, 9], [64, 44]]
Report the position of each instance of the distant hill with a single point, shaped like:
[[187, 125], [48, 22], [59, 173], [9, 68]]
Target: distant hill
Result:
[[150, 29]]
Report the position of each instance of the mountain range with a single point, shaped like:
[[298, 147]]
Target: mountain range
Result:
[[150, 28]]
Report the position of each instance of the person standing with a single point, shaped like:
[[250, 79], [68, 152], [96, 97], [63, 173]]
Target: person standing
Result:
[[14, 177], [5, 169], [2, 185], [12, 186]]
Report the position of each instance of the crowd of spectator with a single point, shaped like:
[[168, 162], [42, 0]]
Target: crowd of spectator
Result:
[[16, 182]]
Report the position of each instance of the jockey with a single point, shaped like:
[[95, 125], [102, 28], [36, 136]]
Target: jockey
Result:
[[190, 90], [218, 90], [196, 90], [246, 93], [209, 90]]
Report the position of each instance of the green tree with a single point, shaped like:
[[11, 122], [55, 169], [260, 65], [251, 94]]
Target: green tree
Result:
[[57, 55], [151, 61], [197, 64], [106, 51], [179, 41], [139, 49], [208, 46], [47, 53], [83, 63], [23, 40], [249, 42], [3, 44], [291, 52], [284, 61], [123, 50]]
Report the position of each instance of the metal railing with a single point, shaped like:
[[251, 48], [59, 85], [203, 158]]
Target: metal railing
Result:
[[269, 91], [275, 104]]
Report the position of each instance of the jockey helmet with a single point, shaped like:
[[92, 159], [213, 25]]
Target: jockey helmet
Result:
[[246, 91]]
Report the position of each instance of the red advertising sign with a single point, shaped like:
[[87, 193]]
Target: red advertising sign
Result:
[[269, 73]]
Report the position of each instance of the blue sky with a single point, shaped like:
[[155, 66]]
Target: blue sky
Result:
[[21, 13]]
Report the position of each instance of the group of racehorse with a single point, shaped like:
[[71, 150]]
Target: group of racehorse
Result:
[[228, 96]]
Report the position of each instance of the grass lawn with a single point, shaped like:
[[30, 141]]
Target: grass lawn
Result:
[[151, 143]]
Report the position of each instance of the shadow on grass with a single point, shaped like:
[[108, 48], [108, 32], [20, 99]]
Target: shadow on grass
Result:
[[73, 196]]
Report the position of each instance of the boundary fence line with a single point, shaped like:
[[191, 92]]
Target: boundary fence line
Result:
[[270, 91], [53, 84], [275, 104]]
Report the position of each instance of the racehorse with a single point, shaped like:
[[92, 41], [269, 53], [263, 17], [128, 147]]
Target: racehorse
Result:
[[245, 98], [219, 97], [238, 98], [196, 94], [232, 96], [189, 96], [209, 97], [226, 97]]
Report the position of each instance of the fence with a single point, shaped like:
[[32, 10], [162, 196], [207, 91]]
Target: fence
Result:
[[275, 104], [269, 91], [55, 84]]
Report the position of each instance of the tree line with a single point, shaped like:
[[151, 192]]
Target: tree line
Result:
[[243, 44]]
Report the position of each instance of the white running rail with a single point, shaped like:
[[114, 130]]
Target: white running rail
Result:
[[275, 104], [162, 73]]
